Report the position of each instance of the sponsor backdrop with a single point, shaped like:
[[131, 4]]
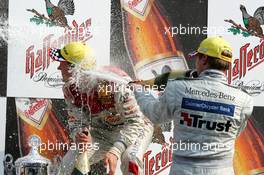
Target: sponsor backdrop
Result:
[[242, 25], [145, 38], [31, 35]]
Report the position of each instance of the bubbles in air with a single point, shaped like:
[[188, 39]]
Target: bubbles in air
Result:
[[20, 34]]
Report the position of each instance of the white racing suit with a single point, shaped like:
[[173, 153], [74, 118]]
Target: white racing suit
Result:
[[208, 115], [127, 136]]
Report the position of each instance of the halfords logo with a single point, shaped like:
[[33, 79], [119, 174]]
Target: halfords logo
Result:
[[248, 59], [157, 163], [196, 121]]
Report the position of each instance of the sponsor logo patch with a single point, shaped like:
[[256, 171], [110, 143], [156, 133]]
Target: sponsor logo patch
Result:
[[208, 106]]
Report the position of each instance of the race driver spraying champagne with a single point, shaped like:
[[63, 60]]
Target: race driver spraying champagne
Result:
[[208, 113], [95, 102]]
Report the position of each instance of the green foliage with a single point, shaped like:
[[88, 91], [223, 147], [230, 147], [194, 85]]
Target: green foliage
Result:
[[39, 21], [246, 34], [236, 31]]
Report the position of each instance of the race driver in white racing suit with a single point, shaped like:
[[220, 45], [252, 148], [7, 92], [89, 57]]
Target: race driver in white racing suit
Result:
[[94, 101], [207, 112]]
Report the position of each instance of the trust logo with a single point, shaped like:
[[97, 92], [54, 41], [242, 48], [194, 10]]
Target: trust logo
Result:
[[196, 121]]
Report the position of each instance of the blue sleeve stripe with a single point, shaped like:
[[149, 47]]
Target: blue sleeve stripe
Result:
[[208, 106]]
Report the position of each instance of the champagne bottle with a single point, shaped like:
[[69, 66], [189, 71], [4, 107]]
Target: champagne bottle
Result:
[[151, 48], [161, 80], [249, 151], [37, 117]]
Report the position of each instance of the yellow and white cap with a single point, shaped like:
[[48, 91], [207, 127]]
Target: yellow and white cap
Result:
[[215, 47], [75, 53]]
